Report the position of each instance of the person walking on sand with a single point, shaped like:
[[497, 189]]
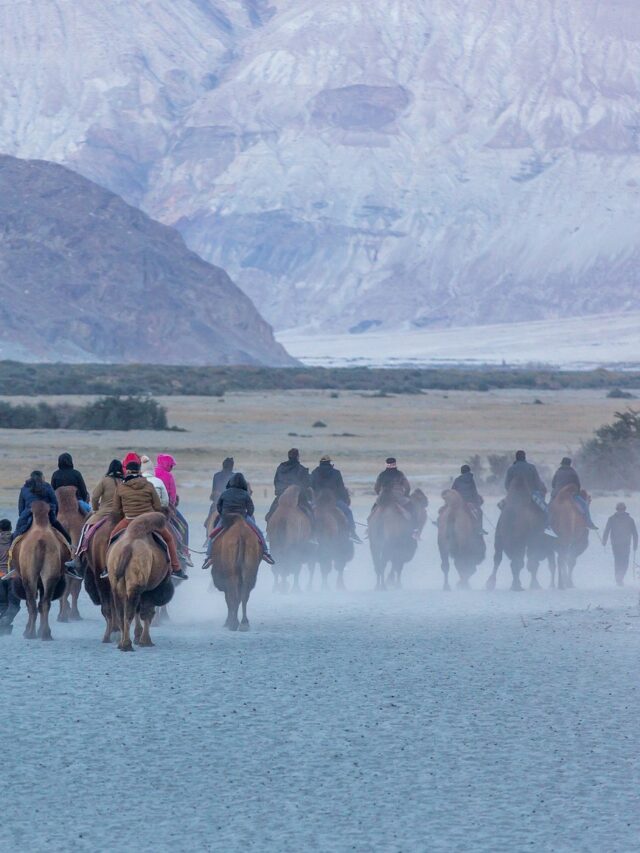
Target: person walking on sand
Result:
[[622, 531]]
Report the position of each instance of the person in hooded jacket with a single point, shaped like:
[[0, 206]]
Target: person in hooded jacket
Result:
[[9, 601], [164, 471], [329, 478], [622, 531], [66, 475], [134, 496], [236, 500], [147, 469], [465, 485], [292, 473], [567, 475]]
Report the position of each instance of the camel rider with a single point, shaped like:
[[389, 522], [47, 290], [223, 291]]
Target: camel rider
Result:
[[292, 473], [36, 489], [327, 477], [9, 601], [164, 471], [66, 475], [221, 479], [529, 474], [394, 481], [236, 500], [567, 475], [147, 469], [134, 496], [465, 485]]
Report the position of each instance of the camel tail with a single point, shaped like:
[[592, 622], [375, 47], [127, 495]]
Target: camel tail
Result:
[[123, 562], [39, 556], [240, 558]]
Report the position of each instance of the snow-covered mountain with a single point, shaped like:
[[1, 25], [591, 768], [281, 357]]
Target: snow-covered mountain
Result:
[[361, 164]]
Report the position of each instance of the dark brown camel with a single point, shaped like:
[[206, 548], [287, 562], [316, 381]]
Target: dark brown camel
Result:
[[235, 558], [458, 539], [520, 534], [72, 519], [289, 534], [335, 548], [95, 562], [570, 526], [391, 534], [140, 577], [40, 557]]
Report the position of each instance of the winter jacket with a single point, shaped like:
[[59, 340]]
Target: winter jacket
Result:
[[27, 498], [529, 474], [220, 482], [466, 486], [236, 500], [291, 473], [622, 530], [564, 476], [163, 472], [159, 486], [134, 496], [5, 547], [103, 497], [66, 475], [325, 476], [392, 478]]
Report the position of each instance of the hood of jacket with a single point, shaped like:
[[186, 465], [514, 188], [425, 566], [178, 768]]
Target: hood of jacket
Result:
[[165, 462], [135, 481], [238, 481], [65, 461]]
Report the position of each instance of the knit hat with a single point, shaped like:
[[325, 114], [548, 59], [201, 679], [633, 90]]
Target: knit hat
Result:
[[465, 469], [130, 457], [325, 459], [565, 461], [621, 507], [520, 455], [294, 453], [391, 462]]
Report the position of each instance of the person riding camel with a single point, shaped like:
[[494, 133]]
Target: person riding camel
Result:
[[102, 498], [135, 496], [328, 477], [66, 475], [236, 500], [292, 473], [393, 481], [465, 485], [221, 479], [532, 480], [567, 475], [164, 471], [36, 489], [147, 469]]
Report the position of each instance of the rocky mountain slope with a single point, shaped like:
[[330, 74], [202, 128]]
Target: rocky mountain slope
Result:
[[85, 276], [355, 165]]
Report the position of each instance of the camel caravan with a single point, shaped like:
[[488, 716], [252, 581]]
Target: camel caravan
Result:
[[128, 543]]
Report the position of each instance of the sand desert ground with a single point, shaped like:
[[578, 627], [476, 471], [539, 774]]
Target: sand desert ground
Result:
[[399, 721]]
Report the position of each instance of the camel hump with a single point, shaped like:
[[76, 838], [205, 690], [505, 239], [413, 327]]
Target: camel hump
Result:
[[567, 492], [143, 525], [40, 512], [289, 498]]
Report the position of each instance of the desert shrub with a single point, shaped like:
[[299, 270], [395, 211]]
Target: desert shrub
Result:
[[611, 459], [108, 413], [619, 394], [498, 464], [477, 466]]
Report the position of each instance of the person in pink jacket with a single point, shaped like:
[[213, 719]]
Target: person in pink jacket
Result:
[[164, 466]]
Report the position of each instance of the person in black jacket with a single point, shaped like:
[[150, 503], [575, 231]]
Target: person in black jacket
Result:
[[236, 500], [567, 475], [292, 473], [392, 478], [465, 485], [66, 475], [326, 477]]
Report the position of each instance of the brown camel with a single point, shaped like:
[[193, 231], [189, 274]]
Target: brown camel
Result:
[[40, 557], [520, 534], [391, 537], [72, 519], [95, 562], [335, 548], [289, 534], [140, 577], [235, 557], [458, 539], [570, 526]]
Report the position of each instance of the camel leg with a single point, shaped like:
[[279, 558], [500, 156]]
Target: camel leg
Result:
[[63, 614], [244, 624], [232, 597], [105, 607], [312, 571], [552, 570], [517, 565], [45, 606], [571, 564], [32, 608], [532, 566], [497, 559], [562, 570], [296, 579], [340, 581], [137, 631], [145, 614], [445, 566], [74, 588], [128, 605], [325, 569]]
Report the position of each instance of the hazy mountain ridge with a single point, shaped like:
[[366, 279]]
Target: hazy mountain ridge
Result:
[[85, 276], [355, 164]]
